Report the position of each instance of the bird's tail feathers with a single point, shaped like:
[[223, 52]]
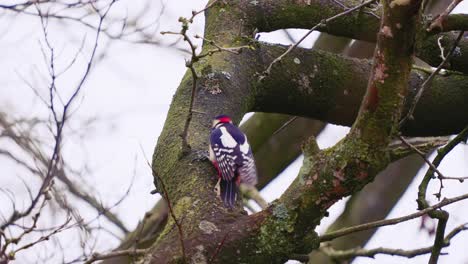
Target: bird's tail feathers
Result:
[[229, 191]]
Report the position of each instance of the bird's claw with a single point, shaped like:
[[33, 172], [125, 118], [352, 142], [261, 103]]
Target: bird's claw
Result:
[[217, 188]]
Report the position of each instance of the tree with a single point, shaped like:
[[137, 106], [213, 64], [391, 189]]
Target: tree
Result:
[[286, 227], [235, 74]]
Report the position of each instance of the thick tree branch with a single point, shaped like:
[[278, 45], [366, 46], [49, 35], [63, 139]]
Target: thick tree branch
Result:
[[428, 80], [439, 22], [328, 176], [312, 92], [450, 23], [372, 203], [360, 252], [273, 15], [25, 141], [441, 215], [287, 225], [322, 23]]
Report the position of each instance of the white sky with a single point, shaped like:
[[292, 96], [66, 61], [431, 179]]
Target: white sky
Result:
[[129, 92]]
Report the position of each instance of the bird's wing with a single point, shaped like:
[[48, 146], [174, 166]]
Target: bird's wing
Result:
[[224, 150], [247, 171]]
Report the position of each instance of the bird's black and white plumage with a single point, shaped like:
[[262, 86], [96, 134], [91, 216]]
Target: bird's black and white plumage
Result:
[[232, 156]]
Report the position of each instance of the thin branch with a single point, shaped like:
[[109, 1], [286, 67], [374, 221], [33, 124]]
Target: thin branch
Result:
[[57, 230], [165, 194], [425, 84], [423, 204], [425, 145], [370, 253], [349, 230], [195, 13], [218, 48], [251, 192], [218, 249], [26, 142], [120, 253], [422, 155], [438, 23], [59, 122], [286, 124], [442, 216], [320, 24], [441, 153], [130, 32]]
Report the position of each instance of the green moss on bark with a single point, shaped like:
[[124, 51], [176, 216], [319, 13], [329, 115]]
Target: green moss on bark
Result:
[[275, 233], [274, 15]]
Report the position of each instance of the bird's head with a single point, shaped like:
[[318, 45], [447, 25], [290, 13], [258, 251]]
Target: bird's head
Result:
[[221, 119]]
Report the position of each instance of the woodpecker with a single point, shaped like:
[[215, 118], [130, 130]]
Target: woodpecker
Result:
[[232, 157]]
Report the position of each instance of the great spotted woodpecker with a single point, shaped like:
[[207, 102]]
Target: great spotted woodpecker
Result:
[[232, 156]]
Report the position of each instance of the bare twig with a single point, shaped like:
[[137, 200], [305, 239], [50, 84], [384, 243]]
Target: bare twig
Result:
[[425, 145], [54, 164], [349, 230], [195, 13], [346, 7], [218, 48], [55, 231], [120, 253], [426, 82], [286, 124], [165, 194], [370, 253], [442, 216], [11, 255], [218, 248], [320, 24], [438, 23], [190, 64], [421, 154]]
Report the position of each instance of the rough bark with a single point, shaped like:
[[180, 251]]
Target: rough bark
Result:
[[286, 226], [372, 203], [329, 87], [276, 134], [212, 233], [377, 199], [272, 15]]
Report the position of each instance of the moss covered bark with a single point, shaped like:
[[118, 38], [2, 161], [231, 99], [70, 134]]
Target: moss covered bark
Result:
[[330, 88], [272, 15], [329, 175], [372, 203], [314, 83]]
